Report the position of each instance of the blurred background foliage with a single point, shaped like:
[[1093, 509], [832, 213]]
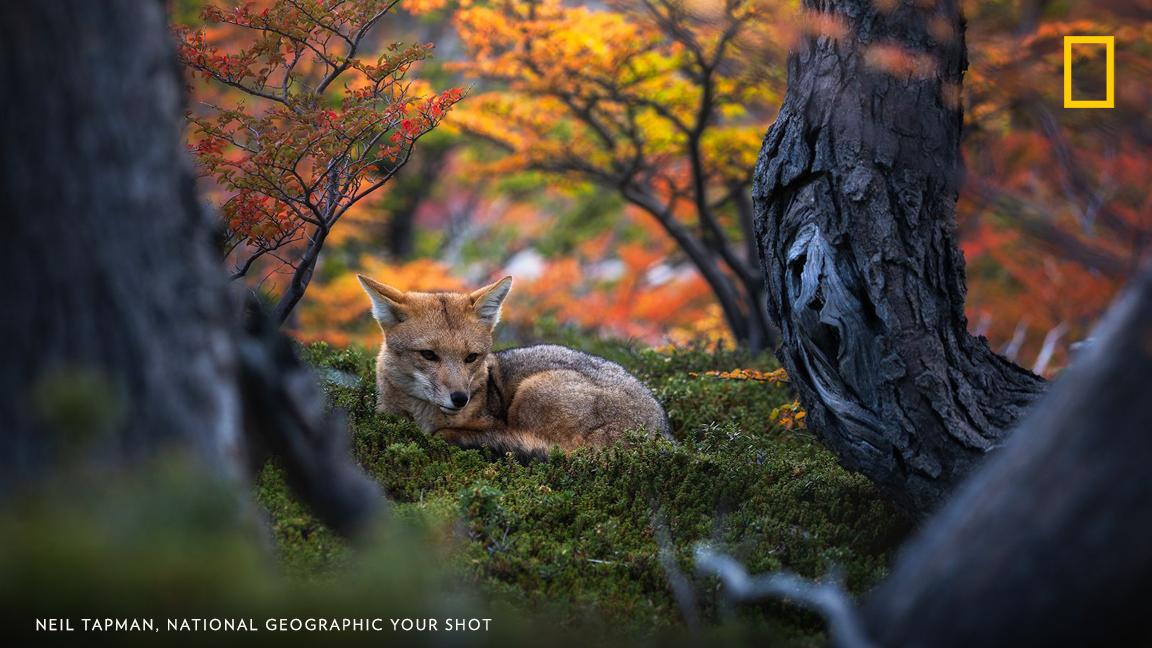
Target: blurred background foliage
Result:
[[579, 156]]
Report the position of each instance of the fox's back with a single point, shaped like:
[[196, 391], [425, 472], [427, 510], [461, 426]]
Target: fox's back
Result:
[[521, 362], [565, 382]]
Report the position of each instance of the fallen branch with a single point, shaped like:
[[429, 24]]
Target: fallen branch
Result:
[[826, 598], [286, 415], [682, 589]]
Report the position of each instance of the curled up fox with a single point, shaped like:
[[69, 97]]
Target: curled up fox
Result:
[[436, 365]]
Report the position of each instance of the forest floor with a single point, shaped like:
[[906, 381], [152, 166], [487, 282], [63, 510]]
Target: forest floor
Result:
[[579, 540]]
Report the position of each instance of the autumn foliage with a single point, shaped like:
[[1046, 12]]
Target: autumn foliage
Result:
[[660, 101], [604, 152], [1054, 217], [320, 121]]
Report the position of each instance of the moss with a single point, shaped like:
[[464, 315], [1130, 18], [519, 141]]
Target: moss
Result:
[[559, 552], [574, 538]]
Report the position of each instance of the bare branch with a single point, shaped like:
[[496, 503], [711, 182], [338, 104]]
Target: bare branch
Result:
[[1034, 220], [681, 587], [238, 85], [353, 46], [1049, 347], [1012, 348], [826, 598]]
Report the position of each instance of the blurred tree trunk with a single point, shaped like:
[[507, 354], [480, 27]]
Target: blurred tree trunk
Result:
[[1048, 543], [854, 194], [400, 232], [121, 340], [408, 193], [115, 322]]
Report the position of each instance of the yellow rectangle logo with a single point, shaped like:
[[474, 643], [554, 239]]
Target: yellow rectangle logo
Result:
[[1109, 62]]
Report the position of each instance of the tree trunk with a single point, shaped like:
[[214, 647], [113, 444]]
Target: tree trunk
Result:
[[301, 276], [410, 191], [115, 319], [121, 340], [1048, 543], [854, 194]]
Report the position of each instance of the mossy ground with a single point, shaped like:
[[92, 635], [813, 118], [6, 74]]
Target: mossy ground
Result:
[[575, 538], [563, 552]]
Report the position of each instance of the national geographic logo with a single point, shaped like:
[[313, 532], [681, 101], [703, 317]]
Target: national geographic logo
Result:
[[1109, 42]]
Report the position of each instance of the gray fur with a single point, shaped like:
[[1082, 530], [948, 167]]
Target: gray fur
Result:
[[516, 365]]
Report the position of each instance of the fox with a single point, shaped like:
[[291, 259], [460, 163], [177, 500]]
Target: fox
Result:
[[436, 365]]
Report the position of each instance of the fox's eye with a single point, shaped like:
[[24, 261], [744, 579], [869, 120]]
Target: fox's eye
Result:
[[471, 357], [430, 355]]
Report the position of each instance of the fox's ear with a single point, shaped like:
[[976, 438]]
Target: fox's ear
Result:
[[387, 302], [487, 300]]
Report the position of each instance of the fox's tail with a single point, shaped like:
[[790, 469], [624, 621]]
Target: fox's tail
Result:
[[525, 446]]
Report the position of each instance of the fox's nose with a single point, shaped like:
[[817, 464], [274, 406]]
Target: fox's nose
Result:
[[459, 399]]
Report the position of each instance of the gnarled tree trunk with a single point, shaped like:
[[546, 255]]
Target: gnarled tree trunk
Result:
[[854, 194]]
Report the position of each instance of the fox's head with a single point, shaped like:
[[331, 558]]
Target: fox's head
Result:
[[437, 344]]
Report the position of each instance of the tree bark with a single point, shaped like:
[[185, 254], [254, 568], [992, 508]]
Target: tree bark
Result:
[[854, 199], [121, 340], [301, 275], [1048, 543], [116, 321]]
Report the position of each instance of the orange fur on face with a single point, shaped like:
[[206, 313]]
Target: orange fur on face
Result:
[[436, 344]]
